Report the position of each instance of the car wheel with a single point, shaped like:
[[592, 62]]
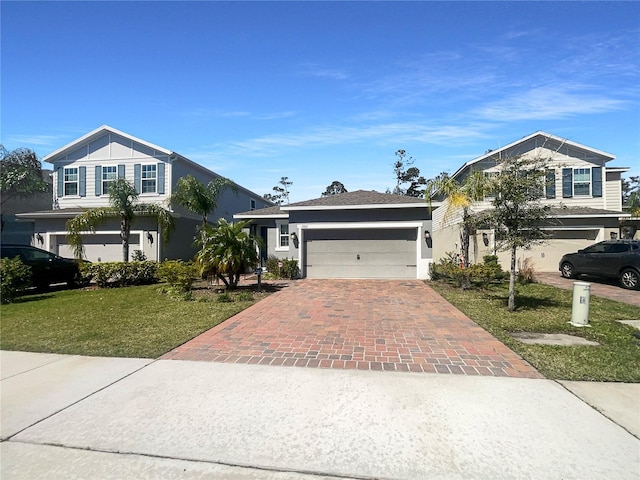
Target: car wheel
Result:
[[567, 270], [630, 279]]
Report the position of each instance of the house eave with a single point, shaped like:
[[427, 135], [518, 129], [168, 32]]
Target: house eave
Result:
[[258, 217], [361, 207]]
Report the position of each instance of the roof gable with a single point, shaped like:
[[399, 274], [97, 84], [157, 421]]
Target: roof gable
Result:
[[107, 142], [534, 141]]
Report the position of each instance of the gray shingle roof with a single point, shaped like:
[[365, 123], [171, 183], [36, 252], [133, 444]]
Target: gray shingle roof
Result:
[[359, 197], [262, 212], [582, 211]]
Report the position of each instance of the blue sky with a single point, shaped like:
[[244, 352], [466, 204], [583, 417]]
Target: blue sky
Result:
[[323, 91]]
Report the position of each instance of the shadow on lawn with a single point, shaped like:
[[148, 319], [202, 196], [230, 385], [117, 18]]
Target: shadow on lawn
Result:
[[525, 302]]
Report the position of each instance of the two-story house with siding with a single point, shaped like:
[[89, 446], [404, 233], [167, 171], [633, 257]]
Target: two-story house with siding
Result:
[[584, 193], [82, 173]]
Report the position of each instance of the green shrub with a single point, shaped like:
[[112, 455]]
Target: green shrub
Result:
[[121, 274], [481, 274], [288, 270], [224, 298], [178, 274], [138, 256], [14, 276]]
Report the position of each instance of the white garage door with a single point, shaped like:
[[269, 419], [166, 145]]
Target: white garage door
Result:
[[360, 253], [100, 247]]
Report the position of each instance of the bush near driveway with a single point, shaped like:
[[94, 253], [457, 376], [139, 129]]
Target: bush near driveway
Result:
[[547, 309]]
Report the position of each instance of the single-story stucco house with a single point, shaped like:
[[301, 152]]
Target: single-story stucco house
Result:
[[361, 234]]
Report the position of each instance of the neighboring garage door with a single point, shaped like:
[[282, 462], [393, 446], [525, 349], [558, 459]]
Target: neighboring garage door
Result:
[[100, 247], [361, 253]]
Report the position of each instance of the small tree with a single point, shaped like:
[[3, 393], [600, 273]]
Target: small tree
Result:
[[631, 195], [199, 198], [518, 213], [407, 174], [282, 192], [335, 188], [20, 174], [227, 251], [122, 203]]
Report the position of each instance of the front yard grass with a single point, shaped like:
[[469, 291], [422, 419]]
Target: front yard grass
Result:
[[546, 309], [137, 322]]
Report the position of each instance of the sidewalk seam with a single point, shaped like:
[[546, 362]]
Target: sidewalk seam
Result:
[[79, 400]]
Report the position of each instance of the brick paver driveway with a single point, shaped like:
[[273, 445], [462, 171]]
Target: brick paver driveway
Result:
[[357, 324]]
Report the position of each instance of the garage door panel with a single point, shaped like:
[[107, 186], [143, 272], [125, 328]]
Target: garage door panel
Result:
[[367, 253], [366, 258]]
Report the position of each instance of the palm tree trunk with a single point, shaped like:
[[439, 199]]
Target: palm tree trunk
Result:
[[466, 234], [512, 281], [125, 231]]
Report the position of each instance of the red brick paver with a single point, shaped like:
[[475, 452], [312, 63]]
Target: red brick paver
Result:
[[379, 325]]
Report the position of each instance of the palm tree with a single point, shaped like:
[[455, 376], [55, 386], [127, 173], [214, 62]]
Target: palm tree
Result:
[[227, 251], [462, 196], [123, 203], [199, 198]]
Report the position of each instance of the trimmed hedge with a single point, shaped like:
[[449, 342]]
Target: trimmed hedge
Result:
[[121, 274]]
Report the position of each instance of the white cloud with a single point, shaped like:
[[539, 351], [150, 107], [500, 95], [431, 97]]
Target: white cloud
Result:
[[204, 114], [549, 102], [36, 140]]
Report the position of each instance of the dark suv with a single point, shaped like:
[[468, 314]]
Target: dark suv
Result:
[[46, 267], [612, 258]]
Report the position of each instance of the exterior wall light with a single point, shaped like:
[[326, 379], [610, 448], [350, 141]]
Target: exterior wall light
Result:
[[485, 239], [294, 236], [428, 239], [149, 238]]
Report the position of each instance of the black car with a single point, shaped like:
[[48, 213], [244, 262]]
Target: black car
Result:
[[46, 267], [612, 258]]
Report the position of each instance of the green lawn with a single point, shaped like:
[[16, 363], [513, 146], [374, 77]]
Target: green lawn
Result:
[[120, 322], [547, 309]]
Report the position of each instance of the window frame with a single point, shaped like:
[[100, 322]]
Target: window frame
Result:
[[66, 182], [144, 169], [586, 171], [106, 182], [280, 236]]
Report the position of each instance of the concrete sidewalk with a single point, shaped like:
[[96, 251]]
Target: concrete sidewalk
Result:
[[132, 418]]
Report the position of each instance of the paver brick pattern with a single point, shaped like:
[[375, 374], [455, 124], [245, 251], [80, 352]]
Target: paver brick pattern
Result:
[[385, 325]]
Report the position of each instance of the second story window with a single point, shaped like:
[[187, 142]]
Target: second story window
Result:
[[148, 178], [109, 175], [581, 182], [71, 181], [252, 204]]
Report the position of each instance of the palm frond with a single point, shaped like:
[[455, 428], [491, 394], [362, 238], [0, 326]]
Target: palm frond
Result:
[[86, 222]]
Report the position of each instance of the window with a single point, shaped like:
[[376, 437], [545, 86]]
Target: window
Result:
[[109, 175], [581, 182], [71, 181], [283, 236], [148, 178], [252, 204]]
